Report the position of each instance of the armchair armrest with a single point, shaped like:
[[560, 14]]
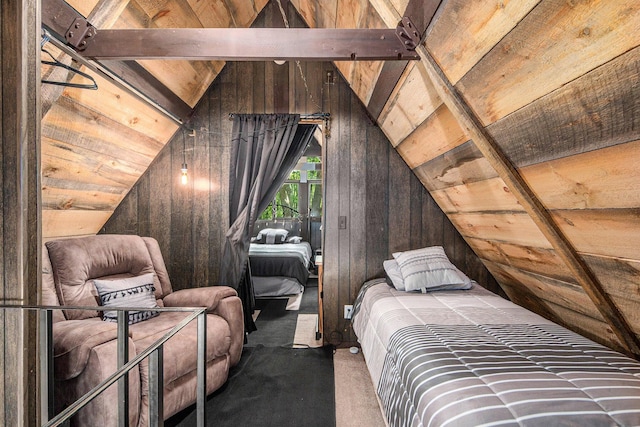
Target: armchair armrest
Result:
[[220, 300], [73, 341], [208, 297]]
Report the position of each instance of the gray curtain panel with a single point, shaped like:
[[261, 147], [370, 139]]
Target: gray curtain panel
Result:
[[264, 150]]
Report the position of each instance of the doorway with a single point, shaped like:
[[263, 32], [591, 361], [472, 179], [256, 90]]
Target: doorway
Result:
[[297, 211]]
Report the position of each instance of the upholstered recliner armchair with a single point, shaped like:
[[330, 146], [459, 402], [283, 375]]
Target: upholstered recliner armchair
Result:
[[85, 346]]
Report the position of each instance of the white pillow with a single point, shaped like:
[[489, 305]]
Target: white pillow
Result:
[[294, 239], [429, 269], [136, 292], [393, 271]]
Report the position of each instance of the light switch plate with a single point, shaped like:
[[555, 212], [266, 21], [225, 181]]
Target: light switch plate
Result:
[[342, 222]]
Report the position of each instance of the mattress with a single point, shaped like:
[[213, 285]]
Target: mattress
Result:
[[275, 286], [471, 358], [281, 269]]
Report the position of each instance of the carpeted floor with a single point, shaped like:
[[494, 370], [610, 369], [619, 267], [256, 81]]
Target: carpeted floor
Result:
[[272, 387], [275, 384]]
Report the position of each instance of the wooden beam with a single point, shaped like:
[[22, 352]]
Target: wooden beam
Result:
[[420, 12], [20, 232], [138, 77], [58, 16], [106, 12], [387, 81], [249, 44]]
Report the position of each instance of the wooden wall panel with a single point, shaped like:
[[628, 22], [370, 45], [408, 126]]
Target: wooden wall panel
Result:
[[512, 227], [594, 180], [609, 232], [620, 279], [409, 105], [110, 135], [317, 14], [479, 25], [62, 161], [554, 44], [554, 83], [98, 133], [386, 206], [488, 195], [124, 108], [20, 231], [597, 110], [569, 295], [463, 164], [72, 222], [564, 303], [438, 134], [400, 230], [542, 261]]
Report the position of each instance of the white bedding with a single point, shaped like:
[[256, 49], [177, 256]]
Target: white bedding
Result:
[[469, 358]]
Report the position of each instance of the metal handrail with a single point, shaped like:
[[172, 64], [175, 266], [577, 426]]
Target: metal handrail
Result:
[[154, 352]]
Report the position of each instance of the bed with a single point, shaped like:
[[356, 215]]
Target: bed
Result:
[[279, 269], [471, 358]]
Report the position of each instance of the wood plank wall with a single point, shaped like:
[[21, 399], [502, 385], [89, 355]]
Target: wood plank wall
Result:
[[386, 206], [19, 204], [555, 84], [97, 143]]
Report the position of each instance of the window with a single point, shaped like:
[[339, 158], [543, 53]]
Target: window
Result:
[[300, 194]]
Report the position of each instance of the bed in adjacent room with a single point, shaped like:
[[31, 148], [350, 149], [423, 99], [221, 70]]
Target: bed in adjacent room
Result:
[[464, 356], [279, 262]]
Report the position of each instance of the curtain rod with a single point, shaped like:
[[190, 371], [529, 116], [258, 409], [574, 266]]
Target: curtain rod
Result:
[[302, 116]]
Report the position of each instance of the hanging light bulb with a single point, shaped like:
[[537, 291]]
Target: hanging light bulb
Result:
[[183, 176]]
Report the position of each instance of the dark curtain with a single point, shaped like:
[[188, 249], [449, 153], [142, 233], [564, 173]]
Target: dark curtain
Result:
[[264, 150]]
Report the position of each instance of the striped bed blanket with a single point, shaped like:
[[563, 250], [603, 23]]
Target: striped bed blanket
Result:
[[471, 358]]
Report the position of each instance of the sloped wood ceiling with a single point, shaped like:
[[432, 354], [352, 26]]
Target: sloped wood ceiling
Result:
[[96, 144], [554, 84]]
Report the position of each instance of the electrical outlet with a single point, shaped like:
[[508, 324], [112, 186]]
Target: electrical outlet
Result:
[[348, 311]]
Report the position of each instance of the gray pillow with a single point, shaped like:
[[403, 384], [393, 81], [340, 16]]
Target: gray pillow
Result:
[[393, 272], [429, 269], [137, 291], [272, 236]]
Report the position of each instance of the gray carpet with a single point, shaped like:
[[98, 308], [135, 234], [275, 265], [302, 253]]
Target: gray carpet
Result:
[[274, 384], [277, 325], [273, 387]]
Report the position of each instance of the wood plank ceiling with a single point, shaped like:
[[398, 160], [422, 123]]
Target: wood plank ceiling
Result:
[[553, 86]]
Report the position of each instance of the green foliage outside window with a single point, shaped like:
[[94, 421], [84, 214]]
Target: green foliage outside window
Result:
[[315, 200], [286, 204]]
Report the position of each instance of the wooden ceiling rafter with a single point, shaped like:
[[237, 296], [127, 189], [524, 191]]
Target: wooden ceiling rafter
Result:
[[467, 118], [58, 17]]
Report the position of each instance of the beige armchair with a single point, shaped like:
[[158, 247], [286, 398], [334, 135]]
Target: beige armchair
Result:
[[85, 345]]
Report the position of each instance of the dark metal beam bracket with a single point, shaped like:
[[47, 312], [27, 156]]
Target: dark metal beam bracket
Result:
[[408, 33], [80, 33]]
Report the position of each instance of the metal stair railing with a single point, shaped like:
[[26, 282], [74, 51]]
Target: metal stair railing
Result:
[[154, 352]]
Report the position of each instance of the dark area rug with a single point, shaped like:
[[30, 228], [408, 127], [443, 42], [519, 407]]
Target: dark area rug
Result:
[[276, 326], [273, 386]]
